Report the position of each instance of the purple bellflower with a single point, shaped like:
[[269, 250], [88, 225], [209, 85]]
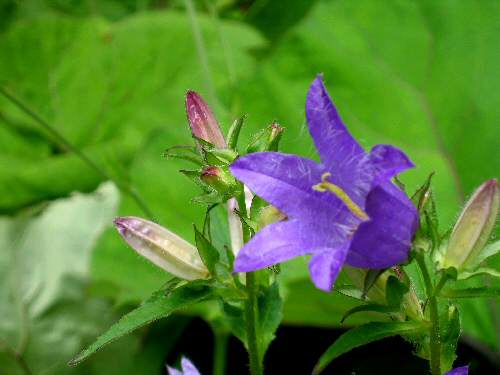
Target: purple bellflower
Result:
[[187, 368], [342, 210], [459, 371]]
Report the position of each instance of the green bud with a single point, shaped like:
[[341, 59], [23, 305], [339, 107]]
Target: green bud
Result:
[[267, 139], [219, 178], [474, 226], [269, 215]]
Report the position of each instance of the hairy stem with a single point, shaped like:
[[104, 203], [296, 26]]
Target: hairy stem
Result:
[[435, 336], [124, 188], [251, 325], [220, 353], [251, 312]]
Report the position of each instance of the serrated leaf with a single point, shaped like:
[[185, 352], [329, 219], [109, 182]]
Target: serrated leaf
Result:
[[157, 307], [363, 335], [479, 292]]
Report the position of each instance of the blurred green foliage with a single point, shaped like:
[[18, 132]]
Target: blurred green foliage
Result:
[[111, 76]]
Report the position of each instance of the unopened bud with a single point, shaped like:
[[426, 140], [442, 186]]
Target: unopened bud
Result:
[[219, 178], [267, 139], [474, 226], [162, 247], [202, 121], [269, 215]]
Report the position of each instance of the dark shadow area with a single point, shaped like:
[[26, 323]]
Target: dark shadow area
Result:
[[296, 349]]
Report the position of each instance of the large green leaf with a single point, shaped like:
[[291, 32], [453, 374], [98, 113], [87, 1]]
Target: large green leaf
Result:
[[161, 304], [45, 313], [133, 75]]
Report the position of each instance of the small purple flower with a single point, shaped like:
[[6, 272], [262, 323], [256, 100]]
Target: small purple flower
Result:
[[459, 371], [344, 209], [187, 368]]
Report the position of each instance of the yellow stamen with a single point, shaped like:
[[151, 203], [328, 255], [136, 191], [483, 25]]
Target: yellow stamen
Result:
[[341, 194]]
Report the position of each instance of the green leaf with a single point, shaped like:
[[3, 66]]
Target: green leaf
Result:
[[44, 267], [363, 335], [395, 291], [479, 292], [209, 254], [450, 332], [370, 307], [481, 271], [270, 314], [157, 307], [370, 280]]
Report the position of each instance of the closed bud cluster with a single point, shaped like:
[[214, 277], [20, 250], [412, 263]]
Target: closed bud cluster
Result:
[[162, 247], [474, 226]]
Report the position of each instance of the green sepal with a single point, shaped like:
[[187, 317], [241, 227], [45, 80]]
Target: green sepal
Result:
[[234, 132], [209, 254], [188, 153], [194, 176], [266, 140]]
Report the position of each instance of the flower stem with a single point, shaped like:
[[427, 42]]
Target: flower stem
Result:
[[220, 353], [251, 325], [435, 336], [251, 312]]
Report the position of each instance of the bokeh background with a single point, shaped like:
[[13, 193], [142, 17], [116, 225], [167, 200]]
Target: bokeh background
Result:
[[110, 76]]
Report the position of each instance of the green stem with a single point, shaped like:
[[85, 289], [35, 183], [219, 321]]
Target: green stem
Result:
[[251, 325], [124, 188], [220, 353], [435, 337], [251, 312]]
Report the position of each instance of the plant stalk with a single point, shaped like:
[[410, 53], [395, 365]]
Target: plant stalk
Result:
[[251, 325], [251, 311], [220, 353], [435, 336]]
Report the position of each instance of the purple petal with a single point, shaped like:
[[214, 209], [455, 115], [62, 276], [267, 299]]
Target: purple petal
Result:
[[173, 371], [459, 371], [388, 161], [335, 144], [286, 182], [284, 240], [188, 367], [386, 239], [341, 155], [325, 266]]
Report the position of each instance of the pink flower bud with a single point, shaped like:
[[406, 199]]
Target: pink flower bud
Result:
[[162, 247], [202, 121], [474, 226]]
